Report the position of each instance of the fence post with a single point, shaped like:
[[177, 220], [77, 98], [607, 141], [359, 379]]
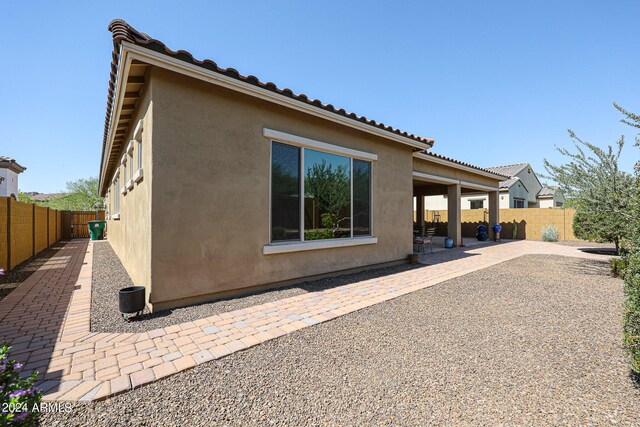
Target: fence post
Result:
[[48, 213], [33, 230], [9, 233]]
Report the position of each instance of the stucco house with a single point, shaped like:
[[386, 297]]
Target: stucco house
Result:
[[217, 183], [550, 197], [9, 171], [522, 189]]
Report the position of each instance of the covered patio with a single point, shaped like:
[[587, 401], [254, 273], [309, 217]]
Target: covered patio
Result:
[[437, 175]]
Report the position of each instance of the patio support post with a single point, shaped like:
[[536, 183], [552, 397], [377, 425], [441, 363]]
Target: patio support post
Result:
[[420, 211], [454, 226], [494, 211]]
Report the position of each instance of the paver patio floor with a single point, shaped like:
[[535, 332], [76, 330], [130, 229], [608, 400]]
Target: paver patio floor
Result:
[[47, 320]]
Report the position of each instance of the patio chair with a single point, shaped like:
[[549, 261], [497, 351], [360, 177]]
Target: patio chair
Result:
[[425, 239]]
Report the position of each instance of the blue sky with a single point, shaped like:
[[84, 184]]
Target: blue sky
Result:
[[494, 82]]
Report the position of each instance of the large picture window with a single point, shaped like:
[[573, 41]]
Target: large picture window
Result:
[[317, 195]]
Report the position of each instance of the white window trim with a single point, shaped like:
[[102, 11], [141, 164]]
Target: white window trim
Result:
[[115, 216], [281, 248], [130, 146], [130, 184], [137, 177], [300, 141], [302, 245], [137, 132]]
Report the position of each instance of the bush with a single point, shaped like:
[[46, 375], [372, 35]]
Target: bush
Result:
[[318, 234], [550, 233], [17, 394], [631, 330], [618, 266]]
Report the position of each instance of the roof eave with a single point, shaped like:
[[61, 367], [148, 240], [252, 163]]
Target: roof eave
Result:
[[455, 165], [13, 166], [127, 51]]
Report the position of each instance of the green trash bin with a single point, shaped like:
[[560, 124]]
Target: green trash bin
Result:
[[96, 228]]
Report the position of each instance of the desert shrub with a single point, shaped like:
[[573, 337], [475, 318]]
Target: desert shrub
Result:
[[618, 266], [631, 331], [550, 233], [18, 396], [318, 234]]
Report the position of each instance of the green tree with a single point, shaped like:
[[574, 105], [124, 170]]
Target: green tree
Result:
[[631, 274], [82, 195], [330, 187], [599, 191], [24, 197]]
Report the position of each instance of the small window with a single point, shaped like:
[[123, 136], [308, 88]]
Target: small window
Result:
[[139, 151], [518, 203], [116, 196], [476, 204], [559, 204]]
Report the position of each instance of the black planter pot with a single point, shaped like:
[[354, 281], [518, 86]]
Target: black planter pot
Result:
[[131, 300]]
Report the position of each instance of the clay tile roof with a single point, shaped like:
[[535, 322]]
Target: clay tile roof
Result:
[[509, 170], [547, 191], [449, 159], [8, 162], [122, 31]]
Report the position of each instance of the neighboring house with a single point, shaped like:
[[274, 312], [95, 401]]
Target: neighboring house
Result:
[[550, 197], [43, 197], [217, 183], [9, 171], [523, 189]]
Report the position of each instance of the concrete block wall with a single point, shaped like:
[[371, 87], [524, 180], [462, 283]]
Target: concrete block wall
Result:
[[51, 214], [4, 219], [25, 230], [530, 221], [40, 230], [21, 232]]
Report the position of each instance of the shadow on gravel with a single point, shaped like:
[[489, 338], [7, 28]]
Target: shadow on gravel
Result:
[[635, 379], [592, 267], [148, 315]]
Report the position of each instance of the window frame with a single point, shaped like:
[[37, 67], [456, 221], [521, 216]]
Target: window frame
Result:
[[137, 143], [481, 201], [116, 195], [303, 143], [515, 202]]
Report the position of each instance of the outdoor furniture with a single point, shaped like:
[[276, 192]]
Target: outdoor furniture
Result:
[[426, 238]]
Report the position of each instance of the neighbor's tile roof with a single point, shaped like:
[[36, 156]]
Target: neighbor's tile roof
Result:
[[509, 182], [449, 159], [509, 170], [547, 191], [8, 161], [122, 31]]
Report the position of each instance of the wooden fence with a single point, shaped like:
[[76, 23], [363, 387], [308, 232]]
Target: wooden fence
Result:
[[524, 223], [26, 229]]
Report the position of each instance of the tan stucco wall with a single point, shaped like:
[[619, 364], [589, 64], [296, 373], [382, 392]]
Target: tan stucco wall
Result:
[[211, 193], [130, 236]]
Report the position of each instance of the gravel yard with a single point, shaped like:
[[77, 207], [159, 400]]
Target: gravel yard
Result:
[[21, 272], [536, 340], [583, 244], [109, 276]]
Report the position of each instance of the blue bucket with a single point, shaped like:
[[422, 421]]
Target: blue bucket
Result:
[[448, 242]]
